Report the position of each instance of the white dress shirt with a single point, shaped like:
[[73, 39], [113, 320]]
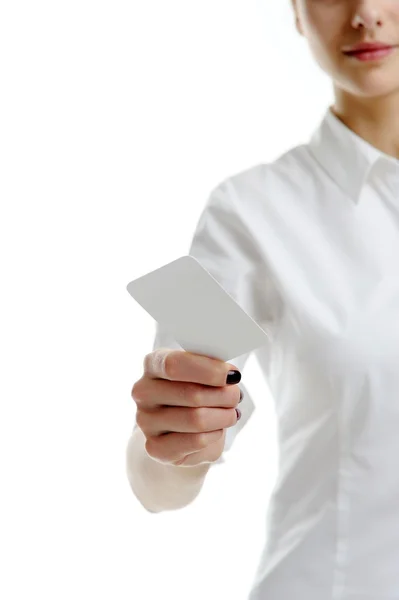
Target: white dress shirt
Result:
[[309, 246]]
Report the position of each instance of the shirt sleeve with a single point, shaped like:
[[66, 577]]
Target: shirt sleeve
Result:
[[223, 245]]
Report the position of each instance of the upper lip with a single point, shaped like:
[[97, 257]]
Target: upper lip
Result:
[[367, 46]]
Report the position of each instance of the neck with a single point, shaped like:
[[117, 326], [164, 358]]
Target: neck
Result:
[[375, 120]]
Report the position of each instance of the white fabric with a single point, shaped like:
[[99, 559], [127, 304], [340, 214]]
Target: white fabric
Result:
[[309, 246]]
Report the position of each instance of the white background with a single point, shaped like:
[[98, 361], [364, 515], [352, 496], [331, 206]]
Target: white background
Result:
[[117, 120]]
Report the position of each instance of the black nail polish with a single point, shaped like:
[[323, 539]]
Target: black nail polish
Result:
[[233, 377], [238, 414], [241, 396]]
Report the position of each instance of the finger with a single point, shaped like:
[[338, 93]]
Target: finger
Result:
[[151, 394], [185, 420], [208, 455], [179, 365], [174, 447]]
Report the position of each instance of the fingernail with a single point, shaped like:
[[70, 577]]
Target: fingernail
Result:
[[241, 396], [233, 377], [238, 414]]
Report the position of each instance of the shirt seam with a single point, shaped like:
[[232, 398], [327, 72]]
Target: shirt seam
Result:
[[342, 504]]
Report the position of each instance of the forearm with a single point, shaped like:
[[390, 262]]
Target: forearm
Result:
[[158, 486]]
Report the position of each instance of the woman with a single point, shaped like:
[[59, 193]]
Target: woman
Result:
[[309, 246], [366, 89]]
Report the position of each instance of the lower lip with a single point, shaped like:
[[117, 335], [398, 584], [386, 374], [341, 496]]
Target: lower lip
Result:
[[371, 55]]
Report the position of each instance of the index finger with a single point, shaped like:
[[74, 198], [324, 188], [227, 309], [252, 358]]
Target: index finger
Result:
[[179, 365]]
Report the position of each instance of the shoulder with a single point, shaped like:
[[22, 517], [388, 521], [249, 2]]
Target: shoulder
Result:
[[288, 173]]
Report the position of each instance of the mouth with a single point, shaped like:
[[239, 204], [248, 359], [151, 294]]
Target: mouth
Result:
[[371, 53]]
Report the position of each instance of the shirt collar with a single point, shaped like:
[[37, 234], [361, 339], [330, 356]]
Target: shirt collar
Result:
[[347, 157]]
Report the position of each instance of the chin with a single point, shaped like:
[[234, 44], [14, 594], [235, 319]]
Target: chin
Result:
[[369, 86], [368, 83]]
